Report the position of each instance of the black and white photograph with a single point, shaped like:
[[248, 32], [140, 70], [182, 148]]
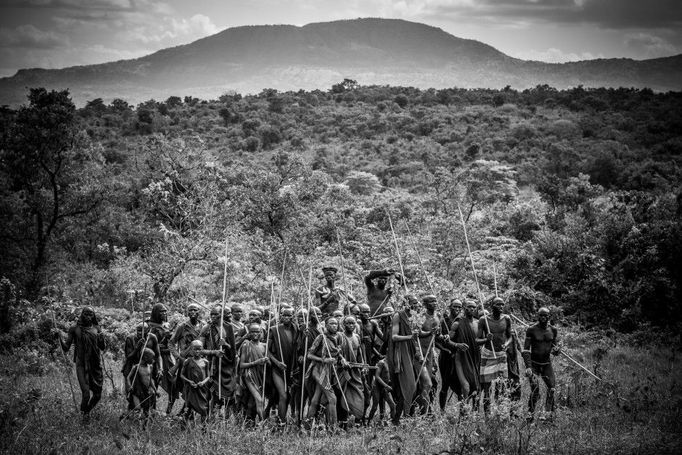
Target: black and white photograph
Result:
[[340, 227]]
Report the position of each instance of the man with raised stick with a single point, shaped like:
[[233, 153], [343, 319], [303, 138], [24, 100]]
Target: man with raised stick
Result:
[[379, 291], [329, 295]]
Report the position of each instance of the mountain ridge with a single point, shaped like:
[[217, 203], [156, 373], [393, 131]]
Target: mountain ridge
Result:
[[317, 55]]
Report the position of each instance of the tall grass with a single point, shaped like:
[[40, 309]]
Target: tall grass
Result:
[[636, 409]]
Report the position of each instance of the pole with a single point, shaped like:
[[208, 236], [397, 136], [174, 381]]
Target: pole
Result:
[[267, 339], [495, 277], [473, 268], [343, 269], [73, 395], [305, 344], [222, 315], [525, 324], [397, 250]]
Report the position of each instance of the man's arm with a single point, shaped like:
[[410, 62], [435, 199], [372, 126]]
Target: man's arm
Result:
[[66, 345], [395, 330], [527, 343]]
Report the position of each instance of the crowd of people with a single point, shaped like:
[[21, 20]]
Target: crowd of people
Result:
[[334, 362]]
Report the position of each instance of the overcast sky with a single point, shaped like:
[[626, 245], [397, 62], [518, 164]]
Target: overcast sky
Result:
[[60, 33]]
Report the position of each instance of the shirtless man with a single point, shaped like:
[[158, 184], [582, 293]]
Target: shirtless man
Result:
[[282, 354], [379, 293], [328, 295], [467, 354], [541, 341], [429, 330], [494, 365]]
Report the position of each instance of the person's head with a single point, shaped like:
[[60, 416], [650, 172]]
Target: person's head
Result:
[[365, 312], [286, 315], [301, 317], [332, 325], [387, 313], [87, 317], [455, 307], [411, 303], [265, 312], [429, 302], [355, 311], [470, 306], [196, 346], [255, 332], [147, 356], [338, 314], [315, 315], [254, 316], [382, 281], [215, 315], [237, 312], [329, 274], [141, 330], [543, 315], [227, 314], [193, 311], [159, 313], [498, 306], [349, 324]]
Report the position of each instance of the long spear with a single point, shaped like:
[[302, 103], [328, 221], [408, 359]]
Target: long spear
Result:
[[525, 324], [222, 316], [343, 269], [73, 395], [279, 305], [267, 338], [305, 344], [473, 268], [397, 250]]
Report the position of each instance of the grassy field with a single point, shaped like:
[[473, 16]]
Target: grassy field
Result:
[[636, 409]]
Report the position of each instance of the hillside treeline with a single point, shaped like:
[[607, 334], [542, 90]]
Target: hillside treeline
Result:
[[570, 198]]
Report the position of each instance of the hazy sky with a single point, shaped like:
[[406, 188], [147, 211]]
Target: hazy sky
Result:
[[59, 33]]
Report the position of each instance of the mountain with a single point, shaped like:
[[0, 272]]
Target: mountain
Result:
[[371, 51]]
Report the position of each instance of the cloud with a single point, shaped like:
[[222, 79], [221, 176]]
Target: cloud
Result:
[[29, 36], [554, 55], [616, 14], [651, 45]]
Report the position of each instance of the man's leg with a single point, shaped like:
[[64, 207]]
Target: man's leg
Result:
[[84, 383], [534, 392], [278, 380], [550, 382]]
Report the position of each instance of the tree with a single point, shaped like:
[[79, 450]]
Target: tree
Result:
[[50, 176]]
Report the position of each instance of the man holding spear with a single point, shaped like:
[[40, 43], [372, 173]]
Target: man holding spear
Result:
[[282, 354], [497, 332], [218, 342]]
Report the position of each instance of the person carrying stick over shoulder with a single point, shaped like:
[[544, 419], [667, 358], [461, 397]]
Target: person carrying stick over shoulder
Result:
[[282, 354], [379, 289]]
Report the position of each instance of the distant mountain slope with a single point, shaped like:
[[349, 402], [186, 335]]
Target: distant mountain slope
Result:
[[371, 51]]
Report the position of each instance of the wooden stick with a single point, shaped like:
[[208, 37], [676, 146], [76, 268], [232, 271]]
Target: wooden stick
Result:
[[73, 394], [222, 316], [473, 267], [279, 308], [525, 324], [397, 250], [343, 269], [305, 343], [267, 338]]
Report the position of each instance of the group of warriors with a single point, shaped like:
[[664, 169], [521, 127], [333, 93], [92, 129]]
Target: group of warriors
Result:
[[335, 362]]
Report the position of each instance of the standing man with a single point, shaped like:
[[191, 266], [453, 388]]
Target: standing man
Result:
[[541, 341], [352, 388], [282, 355], [426, 339], [181, 342], [237, 314], [494, 365], [328, 295], [88, 341], [379, 293], [467, 354], [404, 359], [158, 324], [219, 345], [446, 358]]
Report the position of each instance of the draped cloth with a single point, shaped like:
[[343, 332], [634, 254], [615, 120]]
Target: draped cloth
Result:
[[250, 352], [351, 379], [196, 399], [471, 358], [163, 335], [324, 346], [222, 369], [402, 366], [493, 365]]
